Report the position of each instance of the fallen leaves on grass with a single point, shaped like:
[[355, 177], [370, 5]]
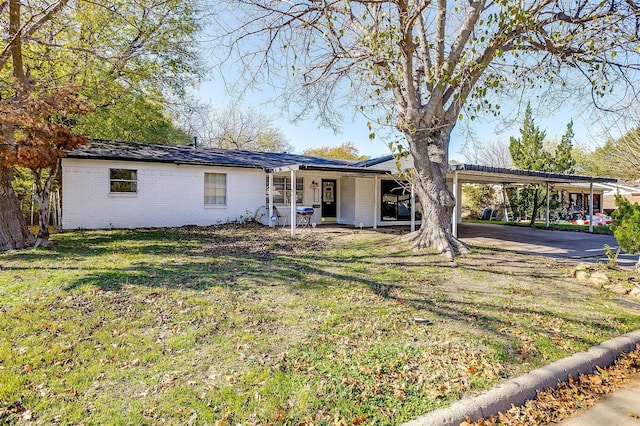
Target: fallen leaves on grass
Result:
[[14, 413], [553, 405]]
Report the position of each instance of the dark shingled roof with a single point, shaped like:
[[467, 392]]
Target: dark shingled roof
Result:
[[268, 161], [374, 161], [133, 151]]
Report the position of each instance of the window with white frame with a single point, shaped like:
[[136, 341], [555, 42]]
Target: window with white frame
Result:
[[215, 189], [123, 180], [282, 190]]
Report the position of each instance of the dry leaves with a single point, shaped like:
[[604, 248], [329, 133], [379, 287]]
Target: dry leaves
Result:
[[553, 405], [40, 121]]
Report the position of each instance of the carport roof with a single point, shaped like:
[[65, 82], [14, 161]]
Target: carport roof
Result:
[[486, 174]]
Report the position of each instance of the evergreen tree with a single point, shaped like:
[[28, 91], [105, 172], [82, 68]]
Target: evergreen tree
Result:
[[527, 152], [563, 161]]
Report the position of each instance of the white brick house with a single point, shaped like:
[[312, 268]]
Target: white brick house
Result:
[[129, 185], [126, 185], [164, 194]]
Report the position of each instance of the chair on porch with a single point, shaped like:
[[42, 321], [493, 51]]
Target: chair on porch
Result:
[[277, 218]]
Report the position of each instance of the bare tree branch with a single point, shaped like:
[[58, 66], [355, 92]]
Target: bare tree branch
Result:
[[428, 60]]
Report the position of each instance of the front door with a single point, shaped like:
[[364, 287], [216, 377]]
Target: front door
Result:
[[329, 209]]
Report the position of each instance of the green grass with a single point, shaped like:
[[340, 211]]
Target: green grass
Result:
[[242, 325]]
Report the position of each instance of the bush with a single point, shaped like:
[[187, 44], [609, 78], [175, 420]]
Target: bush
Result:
[[475, 197], [626, 225]]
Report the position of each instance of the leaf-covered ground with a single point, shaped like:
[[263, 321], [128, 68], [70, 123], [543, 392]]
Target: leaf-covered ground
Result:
[[243, 325], [555, 405]]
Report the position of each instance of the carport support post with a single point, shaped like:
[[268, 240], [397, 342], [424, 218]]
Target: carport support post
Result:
[[271, 222], [505, 204], [548, 204], [456, 206], [293, 203], [590, 206], [413, 208]]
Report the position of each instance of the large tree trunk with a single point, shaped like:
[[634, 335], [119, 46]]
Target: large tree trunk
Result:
[[430, 157], [14, 233]]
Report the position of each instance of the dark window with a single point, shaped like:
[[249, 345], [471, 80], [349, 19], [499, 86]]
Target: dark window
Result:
[[579, 202], [282, 190], [123, 180], [396, 201]]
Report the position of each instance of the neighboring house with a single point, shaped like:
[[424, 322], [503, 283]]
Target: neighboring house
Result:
[[110, 184], [630, 192]]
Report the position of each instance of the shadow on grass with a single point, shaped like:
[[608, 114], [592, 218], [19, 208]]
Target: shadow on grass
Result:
[[300, 274], [248, 260]]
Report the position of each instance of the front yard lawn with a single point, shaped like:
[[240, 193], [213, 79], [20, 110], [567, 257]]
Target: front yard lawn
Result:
[[242, 325]]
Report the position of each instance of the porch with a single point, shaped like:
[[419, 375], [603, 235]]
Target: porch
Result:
[[362, 199]]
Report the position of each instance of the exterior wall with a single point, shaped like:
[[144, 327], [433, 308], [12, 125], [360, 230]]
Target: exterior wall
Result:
[[609, 201], [173, 195], [167, 195], [347, 195], [364, 205], [313, 197]]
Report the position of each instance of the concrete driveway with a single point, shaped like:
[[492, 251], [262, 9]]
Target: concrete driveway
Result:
[[577, 246]]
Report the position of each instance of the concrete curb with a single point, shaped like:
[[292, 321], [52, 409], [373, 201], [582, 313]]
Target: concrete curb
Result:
[[520, 389]]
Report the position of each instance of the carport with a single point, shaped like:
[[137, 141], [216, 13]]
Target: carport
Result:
[[473, 173]]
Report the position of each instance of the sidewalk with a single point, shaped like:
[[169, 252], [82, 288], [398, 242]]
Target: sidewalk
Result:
[[621, 408]]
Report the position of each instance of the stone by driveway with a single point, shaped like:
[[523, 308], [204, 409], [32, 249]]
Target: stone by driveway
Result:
[[577, 246]]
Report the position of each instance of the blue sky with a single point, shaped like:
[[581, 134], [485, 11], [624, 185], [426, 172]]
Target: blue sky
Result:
[[551, 115], [308, 134]]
